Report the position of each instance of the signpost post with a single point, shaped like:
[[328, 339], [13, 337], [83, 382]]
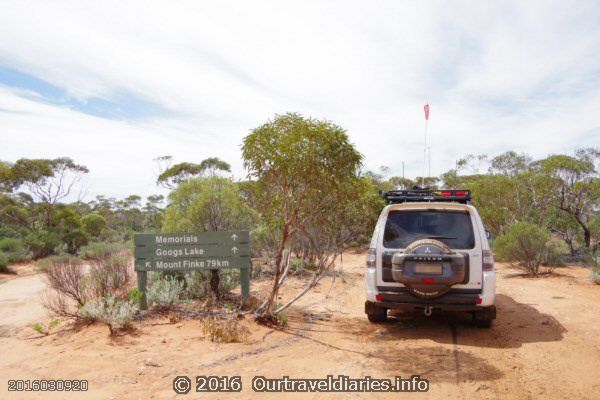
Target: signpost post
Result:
[[192, 251]]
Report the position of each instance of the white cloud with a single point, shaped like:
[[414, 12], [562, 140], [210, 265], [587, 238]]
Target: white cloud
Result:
[[503, 75]]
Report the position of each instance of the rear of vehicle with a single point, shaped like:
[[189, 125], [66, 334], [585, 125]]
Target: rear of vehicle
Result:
[[430, 252]]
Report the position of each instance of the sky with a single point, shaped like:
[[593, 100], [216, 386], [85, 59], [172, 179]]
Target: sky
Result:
[[115, 84]]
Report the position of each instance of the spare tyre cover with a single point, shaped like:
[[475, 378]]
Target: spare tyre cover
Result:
[[428, 268]]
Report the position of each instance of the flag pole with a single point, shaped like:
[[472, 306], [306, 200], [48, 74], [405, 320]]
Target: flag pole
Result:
[[424, 157], [428, 149], [425, 147]]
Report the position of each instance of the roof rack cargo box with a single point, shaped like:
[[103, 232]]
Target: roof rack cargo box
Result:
[[427, 195]]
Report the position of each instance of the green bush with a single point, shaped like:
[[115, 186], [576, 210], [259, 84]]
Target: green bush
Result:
[[100, 250], [135, 296], [73, 240], [3, 263], [11, 245], [528, 247], [14, 249], [164, 292], [93, 224], [556, 252], [42, 243]]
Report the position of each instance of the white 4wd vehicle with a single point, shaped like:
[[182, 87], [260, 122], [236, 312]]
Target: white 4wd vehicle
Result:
[[430, 251]]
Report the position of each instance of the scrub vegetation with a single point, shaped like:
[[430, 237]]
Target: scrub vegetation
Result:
[[307, 197]]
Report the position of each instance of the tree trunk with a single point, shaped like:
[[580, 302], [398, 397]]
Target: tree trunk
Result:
[[268, 306], [571, 246], [48, 215], [214, 283], [587, 237]]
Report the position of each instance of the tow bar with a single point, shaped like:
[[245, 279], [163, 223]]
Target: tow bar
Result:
[[428, 311]]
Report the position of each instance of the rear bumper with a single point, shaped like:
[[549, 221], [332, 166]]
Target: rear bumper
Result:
[[457, 299], [370, 306]]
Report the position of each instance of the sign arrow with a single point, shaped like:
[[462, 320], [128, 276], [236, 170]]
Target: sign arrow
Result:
[[234, 249], [148, 265], [234, 237]]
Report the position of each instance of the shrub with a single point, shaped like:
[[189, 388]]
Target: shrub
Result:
[[100, 250], [12, 245], [93, 224], [526, 246], [40, 329], [50, 261], [556, 251], [67, 277], [595, 277], [230, 278], [42, 243], [591, 258], [73, 240], [196, 284], [74, 282], [109, 279], [135, 296], [45, 330], [164, 292], [225, 330], [115, 313], [116, 259], [3, 263]]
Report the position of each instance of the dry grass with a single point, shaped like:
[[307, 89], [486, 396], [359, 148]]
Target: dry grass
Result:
[[225, 330]]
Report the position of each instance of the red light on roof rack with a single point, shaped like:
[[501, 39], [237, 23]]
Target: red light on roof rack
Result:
[[461, 193], [446, 193]]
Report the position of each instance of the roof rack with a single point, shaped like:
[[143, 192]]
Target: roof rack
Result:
[[427, 195]]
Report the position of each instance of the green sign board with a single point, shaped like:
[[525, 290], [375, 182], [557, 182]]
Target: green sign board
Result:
[[205, 250], [190, 251]]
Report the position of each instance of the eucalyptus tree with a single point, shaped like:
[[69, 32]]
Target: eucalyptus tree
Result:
[[293, 160]]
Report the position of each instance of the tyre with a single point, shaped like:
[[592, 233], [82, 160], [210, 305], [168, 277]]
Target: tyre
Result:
[[425, 253], [482, 323], [377, 315], [484, 318]]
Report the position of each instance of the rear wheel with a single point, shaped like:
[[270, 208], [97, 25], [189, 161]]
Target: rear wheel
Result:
[[484, 318], [377, 315]]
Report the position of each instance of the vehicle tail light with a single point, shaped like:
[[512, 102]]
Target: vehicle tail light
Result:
[[428, 281], [378, 297], [488, 260], [371, 258], [479, 299]]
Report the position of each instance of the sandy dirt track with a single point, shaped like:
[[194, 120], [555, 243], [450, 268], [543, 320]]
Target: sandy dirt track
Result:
[[544, 344]]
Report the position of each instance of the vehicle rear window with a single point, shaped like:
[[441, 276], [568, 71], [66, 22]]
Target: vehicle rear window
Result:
[[451, 227]]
